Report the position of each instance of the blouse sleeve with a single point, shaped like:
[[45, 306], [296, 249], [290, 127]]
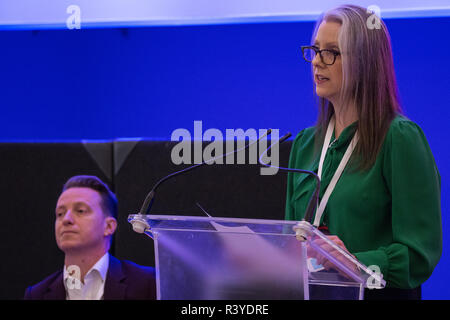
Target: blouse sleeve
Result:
[[413, 180], [290, 212]]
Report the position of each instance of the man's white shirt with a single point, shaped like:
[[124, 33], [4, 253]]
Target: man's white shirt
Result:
[[94, 281]]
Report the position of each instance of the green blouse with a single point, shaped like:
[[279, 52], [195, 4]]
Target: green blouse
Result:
[[389, 215]]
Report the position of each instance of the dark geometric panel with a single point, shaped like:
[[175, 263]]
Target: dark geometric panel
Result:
[[32, 176], [232, 190]]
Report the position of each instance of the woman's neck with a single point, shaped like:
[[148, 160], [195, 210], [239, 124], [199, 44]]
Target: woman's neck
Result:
[[344, 117]]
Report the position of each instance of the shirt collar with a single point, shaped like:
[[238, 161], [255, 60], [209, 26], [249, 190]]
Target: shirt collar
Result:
[[346, 134], [101, 266]]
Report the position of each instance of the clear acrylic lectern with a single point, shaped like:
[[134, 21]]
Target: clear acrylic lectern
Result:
[[228, 258]]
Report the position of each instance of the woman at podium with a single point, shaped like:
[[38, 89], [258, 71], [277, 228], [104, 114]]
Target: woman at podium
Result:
[[380, 187]]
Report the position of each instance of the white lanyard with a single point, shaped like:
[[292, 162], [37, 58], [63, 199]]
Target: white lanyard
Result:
[[339, 169]]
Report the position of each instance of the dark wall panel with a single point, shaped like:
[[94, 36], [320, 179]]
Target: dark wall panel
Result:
[[236, 190]]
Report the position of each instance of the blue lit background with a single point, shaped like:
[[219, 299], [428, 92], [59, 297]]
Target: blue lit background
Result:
[[105, 83]]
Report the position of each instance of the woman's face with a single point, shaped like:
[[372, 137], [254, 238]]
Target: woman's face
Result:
[[328, 78]]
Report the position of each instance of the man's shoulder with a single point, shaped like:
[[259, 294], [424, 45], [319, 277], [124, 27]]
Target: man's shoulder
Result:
[[140, 280], [39, 289], [133, 269], [136, 268]]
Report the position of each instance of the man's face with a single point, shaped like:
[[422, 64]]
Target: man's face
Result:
[[80, 223]]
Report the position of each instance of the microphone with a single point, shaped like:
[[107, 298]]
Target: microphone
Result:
[[148, 202], [314, 200]]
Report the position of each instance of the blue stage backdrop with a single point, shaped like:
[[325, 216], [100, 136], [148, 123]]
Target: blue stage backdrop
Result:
[[146, 82]]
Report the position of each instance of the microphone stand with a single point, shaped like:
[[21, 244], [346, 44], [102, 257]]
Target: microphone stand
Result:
[[314, 200]]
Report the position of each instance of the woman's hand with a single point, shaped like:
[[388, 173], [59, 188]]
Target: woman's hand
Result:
[[327, 264]]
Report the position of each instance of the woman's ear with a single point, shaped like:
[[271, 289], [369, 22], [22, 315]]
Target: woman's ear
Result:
[[110, 226]]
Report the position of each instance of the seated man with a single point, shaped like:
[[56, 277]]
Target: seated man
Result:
[[85, 222]]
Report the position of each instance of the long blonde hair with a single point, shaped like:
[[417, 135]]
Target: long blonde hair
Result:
[[368, 79]]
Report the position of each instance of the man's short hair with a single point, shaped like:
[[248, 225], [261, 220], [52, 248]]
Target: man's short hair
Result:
[[109, 200]]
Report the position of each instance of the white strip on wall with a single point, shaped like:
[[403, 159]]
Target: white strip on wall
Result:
[[17, 14]]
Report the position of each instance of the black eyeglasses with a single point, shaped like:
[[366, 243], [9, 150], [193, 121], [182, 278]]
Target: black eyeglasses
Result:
[[327, 56]]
